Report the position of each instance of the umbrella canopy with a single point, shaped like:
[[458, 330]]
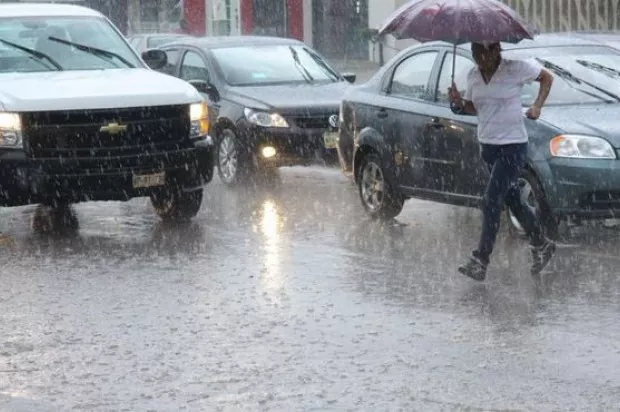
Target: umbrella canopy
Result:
[[458, 22]]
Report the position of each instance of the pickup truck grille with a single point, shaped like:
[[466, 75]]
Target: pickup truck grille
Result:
[[77, 133]]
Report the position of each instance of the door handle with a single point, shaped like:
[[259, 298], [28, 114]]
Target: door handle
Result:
[[382, 113]]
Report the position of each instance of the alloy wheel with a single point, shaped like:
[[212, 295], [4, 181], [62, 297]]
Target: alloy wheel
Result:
[[373, 186], [228, 157], [527, 195]]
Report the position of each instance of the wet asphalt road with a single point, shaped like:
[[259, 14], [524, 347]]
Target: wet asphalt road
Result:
[[285, 297]]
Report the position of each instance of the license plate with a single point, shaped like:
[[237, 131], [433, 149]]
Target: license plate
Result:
[[155, 179], [331, 140]]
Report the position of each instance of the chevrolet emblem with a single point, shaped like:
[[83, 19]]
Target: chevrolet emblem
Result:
[[113, 128]]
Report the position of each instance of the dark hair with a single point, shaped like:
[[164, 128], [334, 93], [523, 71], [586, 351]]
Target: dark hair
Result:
[[488, 46]]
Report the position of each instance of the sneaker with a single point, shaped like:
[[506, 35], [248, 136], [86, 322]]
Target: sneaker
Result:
[[475, 269], [541, 256]]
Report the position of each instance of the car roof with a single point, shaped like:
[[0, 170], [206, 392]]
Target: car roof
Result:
[[160, 35], [544, 40], [46, 9], [216, 42]]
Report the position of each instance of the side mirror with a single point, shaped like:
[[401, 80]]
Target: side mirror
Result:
[[350, 77], [206, 88], [155, 59]]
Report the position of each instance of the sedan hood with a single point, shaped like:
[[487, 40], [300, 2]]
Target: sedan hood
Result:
[[291, 98], [92, 89], [593, 120]]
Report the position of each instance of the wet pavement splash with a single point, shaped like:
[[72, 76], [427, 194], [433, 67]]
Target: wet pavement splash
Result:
[[285, 297]]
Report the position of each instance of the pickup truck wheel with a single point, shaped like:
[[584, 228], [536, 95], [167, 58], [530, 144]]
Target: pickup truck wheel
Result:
[[55, 219], [231, 164], [532, 193], [378, 198], [177, 205]]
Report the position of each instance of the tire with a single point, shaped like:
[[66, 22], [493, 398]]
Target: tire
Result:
[[534, 195], [378, 198], [232, 165], [174, 205], [58, 218]]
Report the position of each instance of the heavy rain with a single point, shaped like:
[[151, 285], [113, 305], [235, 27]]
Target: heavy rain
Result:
[[266, 205]]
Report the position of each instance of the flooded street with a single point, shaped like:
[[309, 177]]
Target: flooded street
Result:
[[286, 297]]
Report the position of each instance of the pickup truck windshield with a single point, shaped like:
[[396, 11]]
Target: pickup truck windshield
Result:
[[74, 43]]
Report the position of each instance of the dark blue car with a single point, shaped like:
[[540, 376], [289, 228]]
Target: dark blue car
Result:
[[400, 140]]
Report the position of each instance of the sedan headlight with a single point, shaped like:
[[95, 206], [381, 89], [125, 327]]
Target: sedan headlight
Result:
[[583, 147], [11, 131], [265, 119], [199, 118]]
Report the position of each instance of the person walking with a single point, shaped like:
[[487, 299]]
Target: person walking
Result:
[[494, 94]]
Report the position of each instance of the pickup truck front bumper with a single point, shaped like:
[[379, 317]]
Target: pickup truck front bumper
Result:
[[25, 180]]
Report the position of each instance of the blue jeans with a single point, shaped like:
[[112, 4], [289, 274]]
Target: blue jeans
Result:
[[505, 163]]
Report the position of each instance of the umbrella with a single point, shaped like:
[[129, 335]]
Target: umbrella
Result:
[[457, 22]]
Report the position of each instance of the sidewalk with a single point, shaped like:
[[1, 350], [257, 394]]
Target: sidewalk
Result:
[[363, 68]]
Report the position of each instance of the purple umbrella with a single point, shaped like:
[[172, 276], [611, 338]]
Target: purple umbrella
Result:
[[458, 22]]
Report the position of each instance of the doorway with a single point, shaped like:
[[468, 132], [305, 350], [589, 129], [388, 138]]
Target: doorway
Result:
[[271, 18], [339, 28]]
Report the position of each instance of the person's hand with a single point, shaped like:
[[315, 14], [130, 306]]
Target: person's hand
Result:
[[454, 95], [533, 112]]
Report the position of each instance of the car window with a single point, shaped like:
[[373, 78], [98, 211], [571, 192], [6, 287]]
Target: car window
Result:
[[54, 38], [412, 75], [462, 67], [135, 42], [595, 71], [172, 61], [272, 64], [194, 67]]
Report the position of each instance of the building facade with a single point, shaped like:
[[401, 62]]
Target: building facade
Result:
[[549, 15], [340, 29]]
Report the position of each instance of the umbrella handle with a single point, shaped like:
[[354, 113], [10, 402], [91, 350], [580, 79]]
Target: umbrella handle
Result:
[[453, 64]]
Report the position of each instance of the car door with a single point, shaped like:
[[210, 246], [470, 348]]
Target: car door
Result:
[[407, 94], [194, 66], [452, 139]]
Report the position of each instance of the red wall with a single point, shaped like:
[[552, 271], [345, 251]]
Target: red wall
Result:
[[296, 19], [247, 16], [195, 13]]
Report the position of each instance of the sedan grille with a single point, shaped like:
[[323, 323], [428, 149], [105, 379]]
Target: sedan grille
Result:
[[314, 122], [84, 133], [601, 200]]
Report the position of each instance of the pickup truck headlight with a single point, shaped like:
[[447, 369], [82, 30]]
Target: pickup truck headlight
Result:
[[265, 119], [582, 147], [199, 118], [10, 131]]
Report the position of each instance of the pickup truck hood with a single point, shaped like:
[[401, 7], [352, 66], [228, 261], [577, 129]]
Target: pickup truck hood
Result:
[[594, 120], [92, 89]]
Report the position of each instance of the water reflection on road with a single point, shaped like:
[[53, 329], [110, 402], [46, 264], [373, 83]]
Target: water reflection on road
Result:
[[284, 296]]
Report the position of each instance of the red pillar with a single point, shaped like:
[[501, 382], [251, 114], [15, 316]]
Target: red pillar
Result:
[[296, 19], [247, 16], [195, 12]]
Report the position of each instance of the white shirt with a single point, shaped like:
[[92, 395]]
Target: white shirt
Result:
[[498, 104]]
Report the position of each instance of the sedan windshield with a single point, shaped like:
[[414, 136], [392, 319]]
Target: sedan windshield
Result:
[[582, 76], [273, 64], [35, 44]]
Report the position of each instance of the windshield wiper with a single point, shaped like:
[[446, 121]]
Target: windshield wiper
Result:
[[93, 50], [599, 67], [34, 53], [306, 75], [565, 74]]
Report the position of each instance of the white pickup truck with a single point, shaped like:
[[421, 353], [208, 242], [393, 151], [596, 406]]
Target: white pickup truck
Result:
[[83, 117]]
